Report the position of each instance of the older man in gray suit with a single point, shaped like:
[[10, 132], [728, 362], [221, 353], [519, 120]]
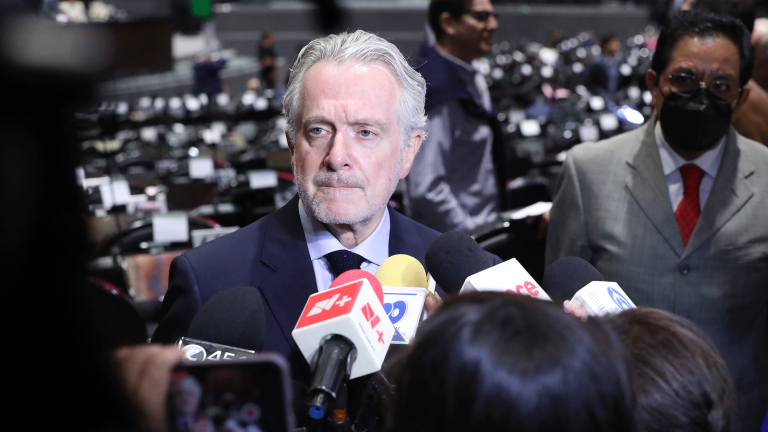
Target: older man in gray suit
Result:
[[676, 212]]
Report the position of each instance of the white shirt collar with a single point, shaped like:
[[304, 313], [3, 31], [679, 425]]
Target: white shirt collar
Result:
[[671, 161], [321, 242]]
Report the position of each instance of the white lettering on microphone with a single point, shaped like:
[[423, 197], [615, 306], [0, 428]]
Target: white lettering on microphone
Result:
[[592, 296]]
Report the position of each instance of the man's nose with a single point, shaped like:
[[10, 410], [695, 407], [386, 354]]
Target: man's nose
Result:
[[338, 153], [493, 23]]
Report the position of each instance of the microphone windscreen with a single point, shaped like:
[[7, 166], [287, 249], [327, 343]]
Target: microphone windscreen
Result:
[[402, 271], [233, 317], [353, 275], [454, 256], [567, 275]]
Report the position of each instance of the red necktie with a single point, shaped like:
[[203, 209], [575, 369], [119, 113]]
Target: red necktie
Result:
[[689, 210]]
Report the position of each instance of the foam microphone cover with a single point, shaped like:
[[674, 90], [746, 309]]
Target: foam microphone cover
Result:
[[402, 271], [564, 277], [454, 256], [233, 317]]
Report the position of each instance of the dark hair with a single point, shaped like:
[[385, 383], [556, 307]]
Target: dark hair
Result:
[[742, 10], [496, 361], [680, 382], [436, 8], [697, 23]]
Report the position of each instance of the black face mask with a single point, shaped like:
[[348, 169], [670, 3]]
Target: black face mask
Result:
[[695, 121]]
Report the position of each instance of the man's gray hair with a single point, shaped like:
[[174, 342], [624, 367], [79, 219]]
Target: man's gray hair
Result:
[[361, 47]]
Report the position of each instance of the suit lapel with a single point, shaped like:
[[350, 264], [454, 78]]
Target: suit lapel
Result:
[[647, 185], [285, 251], [729, 193]]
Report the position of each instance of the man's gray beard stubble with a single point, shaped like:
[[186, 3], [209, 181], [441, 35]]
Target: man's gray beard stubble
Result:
[[313, 206]]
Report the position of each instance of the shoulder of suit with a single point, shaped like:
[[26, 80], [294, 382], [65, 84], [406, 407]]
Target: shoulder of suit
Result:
[[411, 228], [618, 147], [752, 148]]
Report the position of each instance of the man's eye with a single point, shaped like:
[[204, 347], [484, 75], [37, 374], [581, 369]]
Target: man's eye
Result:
[[721, 86], [366, 133], [683, 79], [316, 131]]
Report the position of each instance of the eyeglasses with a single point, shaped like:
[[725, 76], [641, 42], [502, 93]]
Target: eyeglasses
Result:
[[481, 16], [727, 89]]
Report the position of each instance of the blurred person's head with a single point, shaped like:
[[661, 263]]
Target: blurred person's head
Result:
[[760, 43], [463, 28], [267, 38], [185, 395], [680, 382], [497, 362], [610, 45], [355, 119]]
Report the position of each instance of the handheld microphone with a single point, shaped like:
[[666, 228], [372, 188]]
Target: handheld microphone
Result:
[[603, 298], [343, 332], [229, 326], [564, 277], [402, 271], [405, 290], [509, 276], [452, 257], [574, 277]]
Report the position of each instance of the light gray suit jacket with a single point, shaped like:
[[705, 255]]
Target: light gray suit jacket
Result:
[[612, 208]]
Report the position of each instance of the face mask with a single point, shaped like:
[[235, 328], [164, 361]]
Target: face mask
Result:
[[695, 121]]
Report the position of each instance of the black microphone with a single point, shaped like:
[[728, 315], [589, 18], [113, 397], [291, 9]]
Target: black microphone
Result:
[[454, 256], [229, 326], [564, 277]]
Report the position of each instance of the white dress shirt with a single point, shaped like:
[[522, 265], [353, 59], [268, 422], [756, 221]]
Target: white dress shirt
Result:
[[671, 163], [375, 249]]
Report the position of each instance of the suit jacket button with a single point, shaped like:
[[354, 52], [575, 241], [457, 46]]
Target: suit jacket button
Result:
[[684, 269]]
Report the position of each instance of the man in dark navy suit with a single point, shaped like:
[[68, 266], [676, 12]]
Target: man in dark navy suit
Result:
[[355, 112]]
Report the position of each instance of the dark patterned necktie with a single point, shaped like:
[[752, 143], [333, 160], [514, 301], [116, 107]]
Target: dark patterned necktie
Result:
[[689, 209], [342, 260]]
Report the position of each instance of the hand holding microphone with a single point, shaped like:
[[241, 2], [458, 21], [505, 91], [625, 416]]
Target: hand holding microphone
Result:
[[592, 295]]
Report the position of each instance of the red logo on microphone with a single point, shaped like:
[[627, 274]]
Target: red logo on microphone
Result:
[[370, 315], [527, 286], [329, 304]]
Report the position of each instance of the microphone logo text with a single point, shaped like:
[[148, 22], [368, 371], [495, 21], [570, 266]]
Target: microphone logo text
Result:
[[370, 315], [619, 299], [327, 304], [396, 311]]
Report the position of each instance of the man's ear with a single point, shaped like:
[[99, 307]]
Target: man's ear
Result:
[[651, 80], [410, 152], [447, 23], [744, 96], [291, 144]]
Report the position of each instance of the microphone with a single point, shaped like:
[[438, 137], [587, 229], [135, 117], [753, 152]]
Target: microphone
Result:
[[603, 298], [509, 276], [229, 326], [405, 290], [567, 275], [344, 334], [402, 271], [574, 275], [452, 257]]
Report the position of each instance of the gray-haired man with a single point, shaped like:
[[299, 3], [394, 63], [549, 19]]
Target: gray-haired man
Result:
[[355, 113]]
